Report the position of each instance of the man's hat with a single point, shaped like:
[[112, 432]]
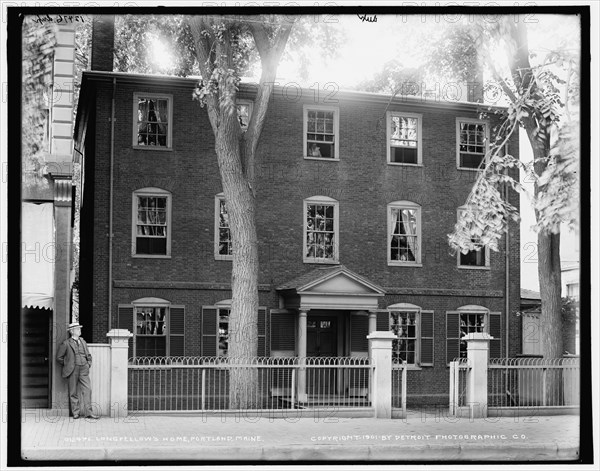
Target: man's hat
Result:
[[72, 325]]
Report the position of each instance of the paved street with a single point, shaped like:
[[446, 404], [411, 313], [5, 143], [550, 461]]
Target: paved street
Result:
[[419, 437]]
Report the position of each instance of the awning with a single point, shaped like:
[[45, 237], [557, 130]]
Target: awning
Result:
[[38, 252]]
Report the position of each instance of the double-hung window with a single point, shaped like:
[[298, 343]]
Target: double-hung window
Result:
[[152, 120], [404, 138], [472, 143], [158, 327], [469, 320], [413, 329], [321, 230], [151, 331], [151, 225], [478, 257], [321, 132], [223, 244], [217, 336], [404, 233]]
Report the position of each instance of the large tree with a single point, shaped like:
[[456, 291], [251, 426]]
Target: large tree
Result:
[[219, 45], [222, 49], [542, 95]]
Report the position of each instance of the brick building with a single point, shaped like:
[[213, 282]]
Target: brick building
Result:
[[352, 235]]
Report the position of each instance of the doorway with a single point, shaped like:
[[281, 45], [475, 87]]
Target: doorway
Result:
[[321, 342], [35, 358]]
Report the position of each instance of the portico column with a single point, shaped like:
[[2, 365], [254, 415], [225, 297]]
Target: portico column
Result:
[[302, 335], [372, 321]]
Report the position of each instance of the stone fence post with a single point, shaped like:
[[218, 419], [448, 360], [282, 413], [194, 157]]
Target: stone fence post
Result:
[[380, 353], [119, 342], [478, 345]]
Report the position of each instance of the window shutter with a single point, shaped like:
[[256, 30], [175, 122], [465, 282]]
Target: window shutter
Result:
[[125, 321], [427, 345], [452, 335], [209, 331], [359, 329], [177, 331], [495, 330], [283, 331], [262, 328], [383, 321]]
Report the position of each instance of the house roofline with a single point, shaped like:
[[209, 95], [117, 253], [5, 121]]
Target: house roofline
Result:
[[247, 88]]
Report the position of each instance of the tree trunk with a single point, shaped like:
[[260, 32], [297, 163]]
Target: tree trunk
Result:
[[549, 275], [243, 319]]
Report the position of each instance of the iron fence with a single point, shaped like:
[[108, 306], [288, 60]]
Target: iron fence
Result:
[[459, 369], [399, 385], [533, 382], [207, 383]]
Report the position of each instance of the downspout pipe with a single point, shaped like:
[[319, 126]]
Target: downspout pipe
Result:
[[506, 267], [110, 199]]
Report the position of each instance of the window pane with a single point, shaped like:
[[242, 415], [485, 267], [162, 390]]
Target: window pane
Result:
[[320, 135], [404, 240], [152, 126], [403, 155], [225, 244], [470, 323], [223, 334], [475, 258], [404, 326], [320, 237]]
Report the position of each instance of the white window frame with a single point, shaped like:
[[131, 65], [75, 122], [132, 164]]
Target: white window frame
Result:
[[321, 200], [134, 137], [218, 198], [153, 192], [152, 303], [419, 118], [487, 141], [336, 131], [486, 266], [250, 104], [411, 308], [404, 205]]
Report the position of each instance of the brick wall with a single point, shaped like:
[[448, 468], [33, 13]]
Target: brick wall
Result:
[[361, 181]]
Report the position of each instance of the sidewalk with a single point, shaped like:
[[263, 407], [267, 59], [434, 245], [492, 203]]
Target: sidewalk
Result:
[[419, 437]]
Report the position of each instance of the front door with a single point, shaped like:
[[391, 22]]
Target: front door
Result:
[[321, 337], [321, 342]]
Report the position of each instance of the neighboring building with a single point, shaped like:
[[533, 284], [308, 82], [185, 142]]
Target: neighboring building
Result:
[[531, 311], [46, 216], [570, 279]]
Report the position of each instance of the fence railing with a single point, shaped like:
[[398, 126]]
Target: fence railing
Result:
[[459, 369], [399, 384], [533, 382], [206, 383]]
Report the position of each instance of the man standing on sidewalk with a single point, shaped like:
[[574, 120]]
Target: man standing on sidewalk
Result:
[[75, 358]]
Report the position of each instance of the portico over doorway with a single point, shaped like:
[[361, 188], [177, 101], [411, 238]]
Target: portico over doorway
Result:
[[326, 301]]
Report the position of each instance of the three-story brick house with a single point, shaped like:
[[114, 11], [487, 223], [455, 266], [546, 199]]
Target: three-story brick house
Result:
[[355, 195]]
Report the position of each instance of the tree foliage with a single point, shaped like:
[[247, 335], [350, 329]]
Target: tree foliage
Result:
[[537, 102]]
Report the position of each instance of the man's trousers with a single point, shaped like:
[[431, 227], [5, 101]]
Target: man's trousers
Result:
[[80, 391]]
